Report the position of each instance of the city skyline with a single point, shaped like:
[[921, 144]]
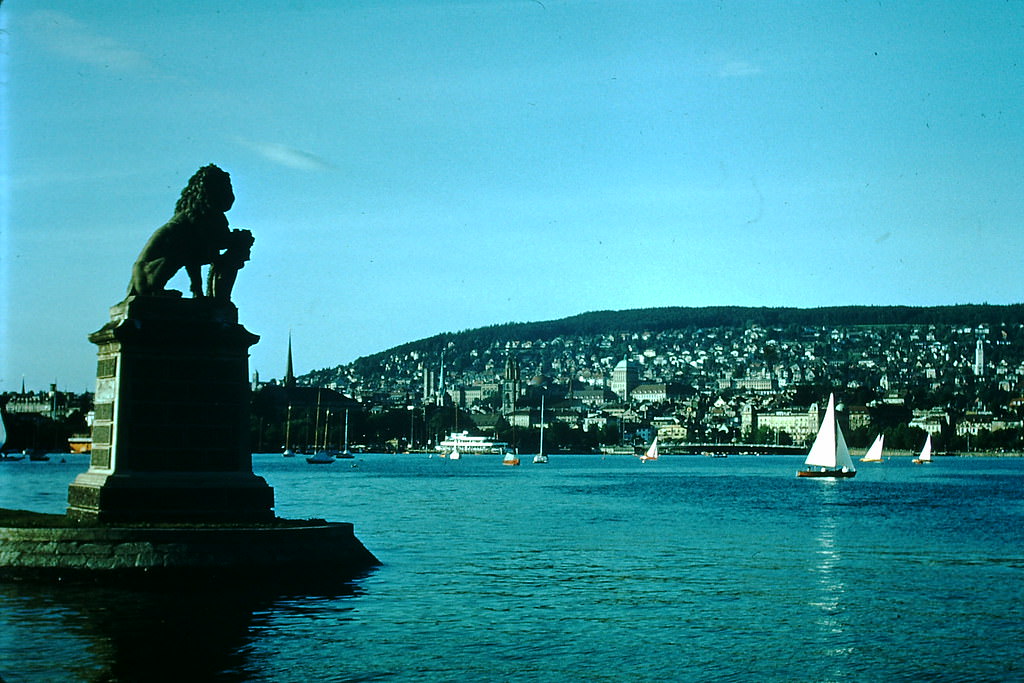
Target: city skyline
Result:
[[410, 168]]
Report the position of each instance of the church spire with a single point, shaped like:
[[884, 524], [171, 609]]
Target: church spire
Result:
[[289, 373]]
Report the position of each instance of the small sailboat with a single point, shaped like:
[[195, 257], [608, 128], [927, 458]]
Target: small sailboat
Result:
[[288, 452], [323, 456], [874, 453], [454, 455], [926, 452], [652, 451], [345, 452], [3, 442], [510, 458], [541, 456], [829, 456]]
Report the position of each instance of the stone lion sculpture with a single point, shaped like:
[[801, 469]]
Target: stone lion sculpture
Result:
[[195, 236]]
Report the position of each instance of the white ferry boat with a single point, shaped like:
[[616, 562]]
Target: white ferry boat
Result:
[[464, 443]]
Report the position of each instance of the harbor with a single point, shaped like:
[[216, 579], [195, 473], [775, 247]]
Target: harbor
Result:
[[731, 569]]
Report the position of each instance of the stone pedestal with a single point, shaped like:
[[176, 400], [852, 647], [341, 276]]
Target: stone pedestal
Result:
[[171, 429]]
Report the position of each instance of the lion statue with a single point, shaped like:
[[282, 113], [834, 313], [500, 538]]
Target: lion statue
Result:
[[195, 236]]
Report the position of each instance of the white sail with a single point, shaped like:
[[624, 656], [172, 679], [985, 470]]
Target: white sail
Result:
[[652, 451], [843, 459], [823, 451], [3, 431], [926, 452], [874, 453]]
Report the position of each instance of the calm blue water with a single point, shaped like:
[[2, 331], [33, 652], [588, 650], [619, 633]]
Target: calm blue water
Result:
[[688, 568]]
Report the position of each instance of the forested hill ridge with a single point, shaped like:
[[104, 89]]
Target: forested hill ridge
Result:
[[587, 340]]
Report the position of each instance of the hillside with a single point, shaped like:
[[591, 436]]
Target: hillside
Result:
[[609, 333]]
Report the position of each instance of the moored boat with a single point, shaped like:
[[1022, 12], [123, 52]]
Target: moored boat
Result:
[[477, 445], [288, 452], [80, 443], [541, 457], [345, 452], [322, 457], [829, 456]]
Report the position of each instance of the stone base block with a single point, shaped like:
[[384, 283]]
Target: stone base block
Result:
[[275, 552], [170, 497]]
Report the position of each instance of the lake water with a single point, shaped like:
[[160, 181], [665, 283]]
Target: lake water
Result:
[[587, 568]]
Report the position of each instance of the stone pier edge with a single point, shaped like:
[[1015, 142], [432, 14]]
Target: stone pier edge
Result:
[[324, 551]]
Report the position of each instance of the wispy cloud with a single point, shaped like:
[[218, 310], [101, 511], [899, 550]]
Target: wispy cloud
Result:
[[65, 35], [738, 68], [288, 156]]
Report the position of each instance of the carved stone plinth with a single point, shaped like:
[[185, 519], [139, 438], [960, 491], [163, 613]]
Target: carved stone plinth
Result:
[[171, 429]]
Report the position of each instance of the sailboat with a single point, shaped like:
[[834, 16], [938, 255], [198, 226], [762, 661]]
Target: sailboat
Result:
[[3, 442], [541, 456], [288, 452], [874, 453], [926, 452], [510, 458], [652, 451], [345, 452], [454, 455], [323, 456], [829, 456]]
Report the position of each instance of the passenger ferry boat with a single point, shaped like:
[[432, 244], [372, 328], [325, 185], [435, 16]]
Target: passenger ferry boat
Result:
[[464, 443]]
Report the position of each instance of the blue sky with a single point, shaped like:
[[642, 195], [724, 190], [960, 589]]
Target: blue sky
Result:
[[420, 166]]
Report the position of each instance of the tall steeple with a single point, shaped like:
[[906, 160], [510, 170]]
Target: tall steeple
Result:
[[441, 389], [289, 373], [510, 386]]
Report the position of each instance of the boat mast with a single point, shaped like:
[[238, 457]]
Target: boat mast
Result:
[[346, 430], [316, 429], [288, 429], [541, 424]]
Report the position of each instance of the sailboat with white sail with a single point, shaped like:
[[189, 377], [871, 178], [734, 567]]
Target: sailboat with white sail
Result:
[[652, 451], [874, 453], [541, 456], [926, 453], [3, 442], [829, 456]]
